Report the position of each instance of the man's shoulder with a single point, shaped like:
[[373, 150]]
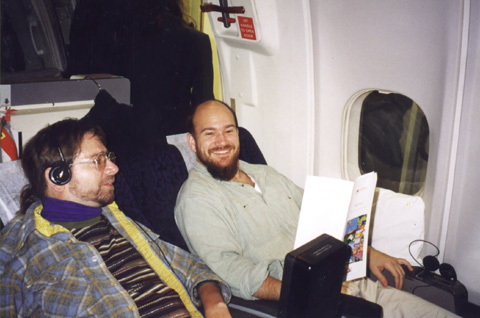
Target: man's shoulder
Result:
[[255, 166], [12, 236], [198, 181], [21, 222], [259, 171], [12, 227]]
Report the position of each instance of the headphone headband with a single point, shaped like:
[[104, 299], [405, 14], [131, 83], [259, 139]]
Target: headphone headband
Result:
[[431, 263]]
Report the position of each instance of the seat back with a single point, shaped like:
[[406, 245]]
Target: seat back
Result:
[[12, 180]]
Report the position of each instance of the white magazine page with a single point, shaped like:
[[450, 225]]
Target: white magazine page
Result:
[[324, 208], [358, 222]]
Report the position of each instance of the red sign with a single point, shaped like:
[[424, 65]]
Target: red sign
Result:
[[247, 29]]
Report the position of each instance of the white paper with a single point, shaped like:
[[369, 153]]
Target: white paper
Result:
[[341, 209]]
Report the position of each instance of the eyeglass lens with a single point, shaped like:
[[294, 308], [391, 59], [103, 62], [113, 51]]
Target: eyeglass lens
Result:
[[101, 160]]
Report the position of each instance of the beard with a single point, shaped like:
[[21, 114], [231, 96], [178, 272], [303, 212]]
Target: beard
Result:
[[224, 173], [99, 196]]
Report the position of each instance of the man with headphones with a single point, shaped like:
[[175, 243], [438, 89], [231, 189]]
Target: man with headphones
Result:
[[70, 252]]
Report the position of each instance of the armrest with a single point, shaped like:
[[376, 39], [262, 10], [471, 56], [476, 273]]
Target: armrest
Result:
[[349, 307], [391, 281], [448, 294], [241, 308]]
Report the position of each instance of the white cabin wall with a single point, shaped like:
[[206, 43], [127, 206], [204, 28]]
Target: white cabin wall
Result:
[[415, 48], [463, 235], [411, 47], [400, 46], [271, 81]]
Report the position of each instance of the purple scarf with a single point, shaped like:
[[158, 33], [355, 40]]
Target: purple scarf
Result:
[[56, 210]]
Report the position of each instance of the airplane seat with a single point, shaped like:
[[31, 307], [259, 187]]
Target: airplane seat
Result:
[[146, 189], [151, 171], [249, 150], [12, 181], [125, 132]]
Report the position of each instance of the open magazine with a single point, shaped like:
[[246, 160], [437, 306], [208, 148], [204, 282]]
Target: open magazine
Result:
[[341, 209]]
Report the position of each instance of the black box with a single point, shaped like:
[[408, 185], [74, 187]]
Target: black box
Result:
[[312, 279], [449, 294]]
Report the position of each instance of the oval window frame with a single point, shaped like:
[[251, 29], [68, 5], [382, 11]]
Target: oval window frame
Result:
[[351, 134]]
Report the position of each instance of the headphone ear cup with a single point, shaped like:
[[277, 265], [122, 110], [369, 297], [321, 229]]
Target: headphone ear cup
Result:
[[448, 272], [430, 263], [60, 175]]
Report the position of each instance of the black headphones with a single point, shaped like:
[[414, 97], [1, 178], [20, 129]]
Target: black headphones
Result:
[[431, 263], [60, 174]]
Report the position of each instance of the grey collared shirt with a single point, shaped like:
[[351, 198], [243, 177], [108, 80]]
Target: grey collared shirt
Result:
[[241, 234]]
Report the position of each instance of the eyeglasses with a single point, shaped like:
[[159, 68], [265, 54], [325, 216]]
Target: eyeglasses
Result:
[[100, 160]]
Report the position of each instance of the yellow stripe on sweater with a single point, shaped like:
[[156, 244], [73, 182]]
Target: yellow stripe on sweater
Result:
[[157, 265]]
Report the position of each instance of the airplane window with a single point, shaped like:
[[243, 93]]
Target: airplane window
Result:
[[392, 139]]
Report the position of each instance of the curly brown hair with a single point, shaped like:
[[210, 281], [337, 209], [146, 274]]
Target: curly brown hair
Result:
[[42, 152]]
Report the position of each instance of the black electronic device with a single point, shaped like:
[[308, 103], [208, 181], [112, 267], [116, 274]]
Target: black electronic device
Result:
[[312, 282], [431, 263], [60, 174], [438, 289]]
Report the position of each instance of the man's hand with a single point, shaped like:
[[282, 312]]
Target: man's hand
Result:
[[379, 261], [212, 301]]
